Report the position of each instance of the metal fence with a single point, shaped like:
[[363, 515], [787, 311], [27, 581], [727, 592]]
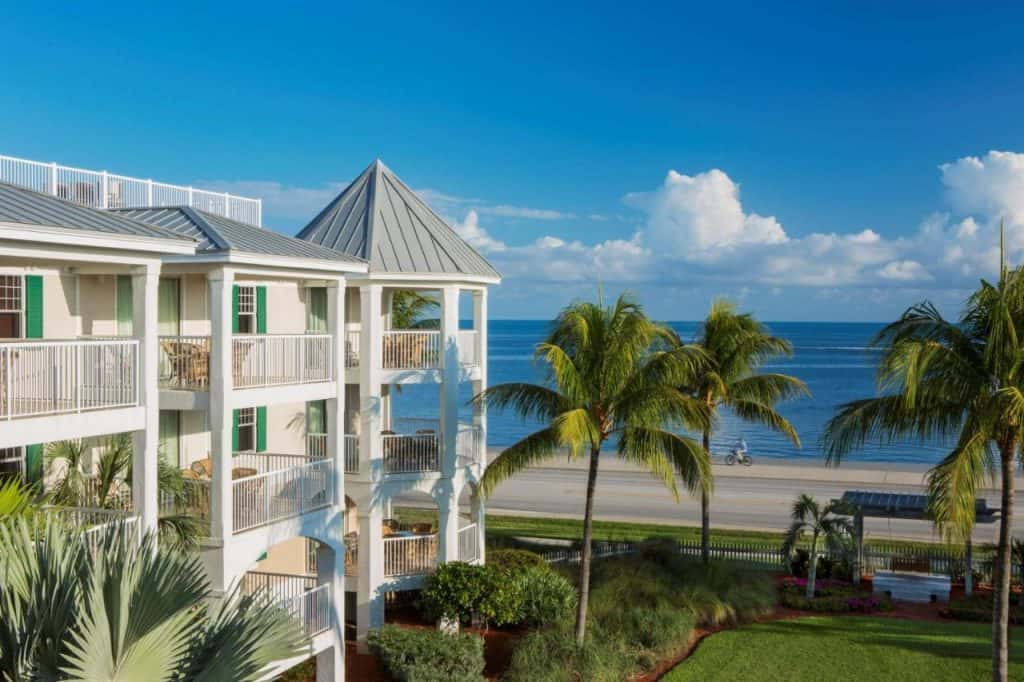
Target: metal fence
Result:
[[100, 189]]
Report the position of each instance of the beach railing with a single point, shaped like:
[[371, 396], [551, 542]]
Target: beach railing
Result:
[[410, 555], [281, 493], [59, 377], [100, 189], [411, 349], [185, 362], [274, 360]]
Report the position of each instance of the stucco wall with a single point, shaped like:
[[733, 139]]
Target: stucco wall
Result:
[[97, 304], [286, 557], [195, 298], [60, 319]]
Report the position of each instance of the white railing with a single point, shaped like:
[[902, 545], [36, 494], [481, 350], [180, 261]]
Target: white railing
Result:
[[194, 503], [410, 555], [100, 189], [12, 460], [351, 556], [469, 543], [250, 463], [185, 362], [466, 340], [469, 444], [96, 523], [351, 454], [411, 350], [405, 454], [265, 498], [351, 348], [299, 595], [275, 360], [57, 377], [316, 445]]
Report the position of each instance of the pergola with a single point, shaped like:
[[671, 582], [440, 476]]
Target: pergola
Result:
[[890, 505]]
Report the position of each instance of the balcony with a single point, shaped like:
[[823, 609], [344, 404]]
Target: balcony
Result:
[[96, 523], [40, 378], [407, 553], [300, 595], [185, 363], [419, 452], [414, 349], [99, 189], [263, 360]]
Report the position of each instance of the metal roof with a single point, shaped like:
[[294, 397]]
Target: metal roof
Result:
[[216, 233], [379, 219], [905, 505], [28, 207]]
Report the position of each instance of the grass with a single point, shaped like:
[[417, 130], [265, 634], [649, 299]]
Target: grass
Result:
[[849, 648]]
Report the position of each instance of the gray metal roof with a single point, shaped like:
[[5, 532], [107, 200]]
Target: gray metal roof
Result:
[[378, 218], [906, 505], [28, 207], [216, 233]]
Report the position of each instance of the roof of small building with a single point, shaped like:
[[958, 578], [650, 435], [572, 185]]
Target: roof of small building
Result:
[[216, 233], [28, 207], [906, 505], [379, 219]]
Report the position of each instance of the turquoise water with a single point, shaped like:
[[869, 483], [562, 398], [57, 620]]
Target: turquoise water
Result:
[[834, 359]]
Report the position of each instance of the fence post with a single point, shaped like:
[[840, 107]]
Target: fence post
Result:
[[149, 192], [53, 178], [105, 185]]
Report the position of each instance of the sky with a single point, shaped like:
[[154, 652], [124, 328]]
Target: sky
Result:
[[818, 161]]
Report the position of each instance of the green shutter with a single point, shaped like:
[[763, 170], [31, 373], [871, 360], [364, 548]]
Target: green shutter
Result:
[[125, 308], [33, 307], [34, 462], [261, 310], [261, 429], [234, 309], [234, 431]]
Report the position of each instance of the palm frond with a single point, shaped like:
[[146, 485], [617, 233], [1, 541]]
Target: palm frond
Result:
[[533, 449]]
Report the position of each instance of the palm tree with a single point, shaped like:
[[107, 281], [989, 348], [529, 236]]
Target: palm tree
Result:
[[823, 523], [961, 380], [409, 307], [129, 612], [737, 344], [612, 376]]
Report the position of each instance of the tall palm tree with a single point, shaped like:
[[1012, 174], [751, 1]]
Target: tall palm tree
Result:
[[612, 375], [823, 523], [962, 380], [737, 344], [128, 612]]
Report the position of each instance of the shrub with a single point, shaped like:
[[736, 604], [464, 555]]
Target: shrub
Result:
[[428, 655], [551, 655], [467, 593], [831, 596], [513, 561], [547, 597], [978, 607]]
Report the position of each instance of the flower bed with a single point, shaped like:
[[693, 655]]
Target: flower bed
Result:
[[831, 596]]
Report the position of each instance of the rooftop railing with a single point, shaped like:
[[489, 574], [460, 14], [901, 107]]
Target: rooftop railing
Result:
[[100, 189]]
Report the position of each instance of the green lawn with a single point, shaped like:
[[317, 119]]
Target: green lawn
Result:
[[851, 648]]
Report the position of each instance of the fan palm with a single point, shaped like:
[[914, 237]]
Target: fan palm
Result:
[[823, 523], [737, 344], [612, 374], [127, 612], [962, 380]]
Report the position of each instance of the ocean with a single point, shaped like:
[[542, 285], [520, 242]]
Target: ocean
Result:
[[832, 358]]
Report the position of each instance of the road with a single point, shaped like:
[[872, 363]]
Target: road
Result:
[[755, 498]]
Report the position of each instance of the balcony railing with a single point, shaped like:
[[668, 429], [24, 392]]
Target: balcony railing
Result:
[[194, 503], [59, 377], [352, 556], [469, 546], [352, 349], [410, 555], [469, 444], [95, 524], [351, 454], [279, 487], [276, 360], [466, 340], [411, 350], [405, 454], [12, 461], [307, 602], [185, 362], [99, 189]]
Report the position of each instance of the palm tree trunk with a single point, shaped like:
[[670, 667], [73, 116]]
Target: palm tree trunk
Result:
[[705, 515], [812, 566], [1001, 608], [585, 553]]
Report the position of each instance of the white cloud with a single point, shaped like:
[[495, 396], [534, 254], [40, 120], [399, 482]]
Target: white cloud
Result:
[[904, 271], [507, 211], [470, 230], [992, 185]]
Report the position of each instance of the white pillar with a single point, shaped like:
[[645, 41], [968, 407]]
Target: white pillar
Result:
[[369, 597], [370, 363], [480, 385], [145, 492], [446, 495], [449, 377], [477, 515], [221, 283], [330, 569], [335, 417]]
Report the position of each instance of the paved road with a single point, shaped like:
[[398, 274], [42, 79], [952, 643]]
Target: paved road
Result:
[[757, 498]]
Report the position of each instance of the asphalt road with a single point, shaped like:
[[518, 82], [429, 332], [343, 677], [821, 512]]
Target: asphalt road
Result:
[[755, 498]]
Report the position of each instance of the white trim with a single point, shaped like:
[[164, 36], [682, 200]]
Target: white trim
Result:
[[48, 234], [268, 260], [409, 278]]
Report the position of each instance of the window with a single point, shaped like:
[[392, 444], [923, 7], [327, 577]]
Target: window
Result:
[[246, 310], [246, 430], [10, 306]]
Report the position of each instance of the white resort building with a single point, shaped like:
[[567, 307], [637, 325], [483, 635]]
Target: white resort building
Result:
[[267, 369]]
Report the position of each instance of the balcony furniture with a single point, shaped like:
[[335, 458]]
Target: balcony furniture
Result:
[[188, 363], [406, 351], [203, 468], [422, 528]]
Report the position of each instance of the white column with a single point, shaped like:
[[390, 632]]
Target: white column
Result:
[[369, 597], [370, 351], [335, 417], [145, 492], [449, 377], [221, 283], [330, 569], [480, 385], [446, 495]]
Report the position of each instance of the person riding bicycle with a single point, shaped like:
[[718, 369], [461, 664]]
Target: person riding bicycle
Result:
[[741, 449]]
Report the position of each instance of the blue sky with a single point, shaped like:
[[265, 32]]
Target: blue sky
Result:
[[816, 163]]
